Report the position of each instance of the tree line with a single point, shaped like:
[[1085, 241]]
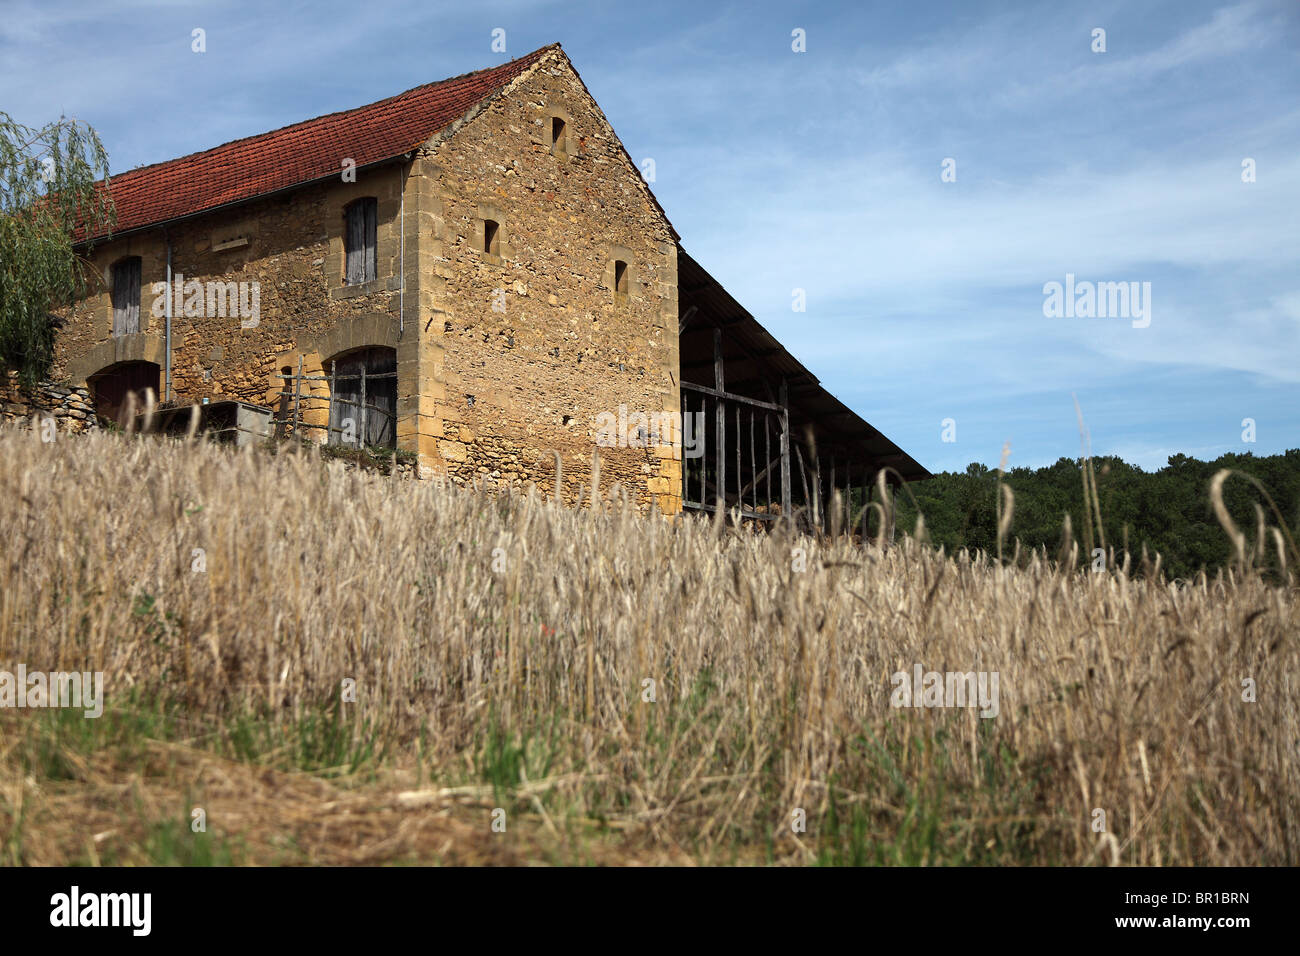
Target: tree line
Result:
[[1169, 510]]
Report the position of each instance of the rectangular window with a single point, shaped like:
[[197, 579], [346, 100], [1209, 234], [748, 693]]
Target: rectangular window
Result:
[[557, 135], [491, 240], [620, 277], [359, 241], [126, 296]]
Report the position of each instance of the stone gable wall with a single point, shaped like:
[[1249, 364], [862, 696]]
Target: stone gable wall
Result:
[[536, 342]]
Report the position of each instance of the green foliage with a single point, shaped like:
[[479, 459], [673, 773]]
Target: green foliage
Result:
[[48, 191], [171, 842], [932, 817], [506, 758], [1167, 510], [56, 741], [320, 740]]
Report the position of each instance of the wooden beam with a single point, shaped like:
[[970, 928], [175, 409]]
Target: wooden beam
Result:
[[759, 476], [730, 396], [803, 475]]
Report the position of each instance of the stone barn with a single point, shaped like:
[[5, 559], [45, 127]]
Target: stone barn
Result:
[[474, 272]]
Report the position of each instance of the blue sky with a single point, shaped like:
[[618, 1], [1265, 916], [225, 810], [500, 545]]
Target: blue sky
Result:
[[821, 171]]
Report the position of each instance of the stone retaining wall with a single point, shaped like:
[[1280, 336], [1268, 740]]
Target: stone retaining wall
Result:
[[70, 406]]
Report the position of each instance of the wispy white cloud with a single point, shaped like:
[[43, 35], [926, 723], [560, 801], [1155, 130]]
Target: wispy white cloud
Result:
[[821, 170]]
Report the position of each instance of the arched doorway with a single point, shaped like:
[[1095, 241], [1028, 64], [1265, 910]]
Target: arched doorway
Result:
[[363, 397], [111, 386]]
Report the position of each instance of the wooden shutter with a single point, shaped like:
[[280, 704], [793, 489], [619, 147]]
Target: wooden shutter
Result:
[[381, 399], [347, 398], [359, 240], [355, 240], [126, 296], [380, 418], [372, 228]]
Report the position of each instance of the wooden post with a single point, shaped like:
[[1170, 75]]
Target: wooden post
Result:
[[297, 402], [848, 496], [817, 488], [740, 487], [787, 499], [361, 432], [753, 465], [832, 518], [719, 382], [767, 458], [329, 421], [703, 456], [803, 478]]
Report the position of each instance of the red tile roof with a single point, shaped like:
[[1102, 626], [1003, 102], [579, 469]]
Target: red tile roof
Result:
[[303, 152]]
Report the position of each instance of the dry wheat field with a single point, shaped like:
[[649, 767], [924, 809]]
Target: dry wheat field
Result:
[[308, 663]]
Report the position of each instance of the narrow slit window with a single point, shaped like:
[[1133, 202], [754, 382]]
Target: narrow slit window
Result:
[[126, 296], [557, 134], [620, 277], [359, 240], [491, 237]]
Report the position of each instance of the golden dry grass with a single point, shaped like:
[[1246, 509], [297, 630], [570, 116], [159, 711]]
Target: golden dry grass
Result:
[[521, 686]]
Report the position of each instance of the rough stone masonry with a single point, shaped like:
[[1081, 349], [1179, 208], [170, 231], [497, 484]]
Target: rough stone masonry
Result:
[[525, 281]]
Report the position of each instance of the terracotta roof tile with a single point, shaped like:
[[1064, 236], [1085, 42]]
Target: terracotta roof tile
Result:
[[303, 152]]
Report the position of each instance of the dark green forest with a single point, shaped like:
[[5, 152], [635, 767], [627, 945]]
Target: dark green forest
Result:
[[1168, 510]]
